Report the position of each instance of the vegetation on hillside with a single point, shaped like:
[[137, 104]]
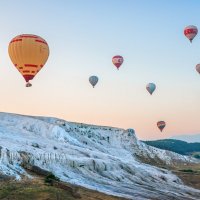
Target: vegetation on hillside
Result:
[[36, 189], [177, 146]]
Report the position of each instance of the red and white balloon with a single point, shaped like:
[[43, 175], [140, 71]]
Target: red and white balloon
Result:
[[161, 125], [198, 68], [190, 32], [117, 61]]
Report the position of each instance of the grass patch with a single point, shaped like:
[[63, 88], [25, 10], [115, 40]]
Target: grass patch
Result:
[[38, 189], [31, 191]]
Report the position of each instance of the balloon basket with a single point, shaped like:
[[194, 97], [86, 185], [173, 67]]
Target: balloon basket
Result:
[[28, 84]]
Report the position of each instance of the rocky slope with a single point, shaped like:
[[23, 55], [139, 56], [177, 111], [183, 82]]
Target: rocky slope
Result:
[[101, 158]]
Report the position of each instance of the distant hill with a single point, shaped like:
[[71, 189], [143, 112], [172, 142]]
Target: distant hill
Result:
[[177, 146], [187, 138]]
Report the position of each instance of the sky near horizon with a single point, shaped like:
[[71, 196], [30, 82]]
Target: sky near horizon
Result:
[[83, 36]]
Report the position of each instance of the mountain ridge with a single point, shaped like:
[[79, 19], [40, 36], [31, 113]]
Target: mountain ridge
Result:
[[187, 138]]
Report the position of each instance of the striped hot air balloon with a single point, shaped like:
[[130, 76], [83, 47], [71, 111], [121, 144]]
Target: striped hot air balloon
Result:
[[29, 54], [161, 125]]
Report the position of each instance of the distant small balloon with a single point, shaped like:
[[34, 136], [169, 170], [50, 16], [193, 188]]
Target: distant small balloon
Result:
[[151, 88], [198, 68], [93, 80], [190, 32], [161, 125], [117, 61]]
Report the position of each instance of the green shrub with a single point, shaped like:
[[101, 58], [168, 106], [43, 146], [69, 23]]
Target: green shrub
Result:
[[50, 178], [197, 156], [186, 170]]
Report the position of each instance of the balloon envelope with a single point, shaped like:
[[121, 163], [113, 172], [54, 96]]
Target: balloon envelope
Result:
[[151, 87], [190, 32], [161, 125], [93, 80], [29, 54], [198, 68], [117, 61]]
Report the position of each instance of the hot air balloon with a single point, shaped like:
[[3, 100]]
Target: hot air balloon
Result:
[[29, 54], [198, 68], [93, 80], [117, 61], [161, 125], [151, 87], [190, 32]]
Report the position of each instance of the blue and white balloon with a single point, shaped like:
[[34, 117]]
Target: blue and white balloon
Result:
[[151, 88]]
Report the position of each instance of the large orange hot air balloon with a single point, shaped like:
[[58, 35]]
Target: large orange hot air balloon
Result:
[[29, 54]]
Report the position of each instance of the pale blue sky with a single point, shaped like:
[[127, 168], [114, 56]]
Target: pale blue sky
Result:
[[83, 35]]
